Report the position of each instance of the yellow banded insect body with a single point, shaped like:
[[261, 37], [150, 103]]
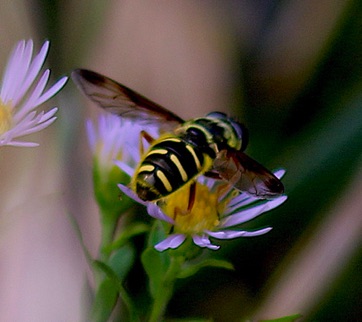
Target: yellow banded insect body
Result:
[[170, 163]]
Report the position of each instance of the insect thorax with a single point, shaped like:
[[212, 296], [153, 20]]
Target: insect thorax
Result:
[[215, 130]]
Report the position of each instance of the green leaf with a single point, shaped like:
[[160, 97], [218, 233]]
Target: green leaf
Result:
[[105, 300], [122, 261], [106, 269], [192, 269], [131, 231], [289, 318], [78, 233], [155, 264], [114, 277], [157, 233]]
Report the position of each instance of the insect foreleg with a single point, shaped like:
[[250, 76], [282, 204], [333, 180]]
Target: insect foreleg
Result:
[[144, 136], [192, 195]]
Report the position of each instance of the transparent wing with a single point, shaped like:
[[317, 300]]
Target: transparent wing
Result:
[[247, 175], [119, 99]]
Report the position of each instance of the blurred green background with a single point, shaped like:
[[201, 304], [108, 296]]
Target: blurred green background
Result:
[[290, 70]]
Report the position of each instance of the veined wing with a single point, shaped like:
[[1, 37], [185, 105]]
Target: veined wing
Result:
[[247, 175], [121, 100]]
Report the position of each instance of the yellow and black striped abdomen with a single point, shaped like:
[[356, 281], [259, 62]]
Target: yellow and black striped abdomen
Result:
[[169, 164]]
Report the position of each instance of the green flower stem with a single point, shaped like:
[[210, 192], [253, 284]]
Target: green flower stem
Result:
[[165, 291], [108, 228], [109, 224]]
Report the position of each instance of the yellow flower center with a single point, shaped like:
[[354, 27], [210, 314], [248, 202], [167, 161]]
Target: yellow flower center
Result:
[[203, 213], [5, 117]]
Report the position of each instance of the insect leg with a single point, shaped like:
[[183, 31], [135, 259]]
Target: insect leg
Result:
[[224, 189], [149, 139], [182, 212], [192, 195]]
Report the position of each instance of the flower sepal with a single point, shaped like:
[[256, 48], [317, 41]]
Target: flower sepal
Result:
[[109, 201], [107, 195]]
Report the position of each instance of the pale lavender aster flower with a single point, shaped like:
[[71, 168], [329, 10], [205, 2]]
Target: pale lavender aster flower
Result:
[[108, 139], [21, 93], [212, 215], [114, 139]]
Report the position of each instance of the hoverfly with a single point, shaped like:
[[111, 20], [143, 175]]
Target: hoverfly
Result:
[[212, 145]]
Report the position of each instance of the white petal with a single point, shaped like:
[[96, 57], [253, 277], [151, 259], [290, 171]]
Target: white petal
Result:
[[48, 114], [172, 241], [12, 71], [155, 211], [204, 241], [124, 167], [257, 232], [19, 128], [22, 144], [51, 91], [239, 201], [229, 234], [37, 127], [30, 103], [251, 213], [91, 134], [33, 71], [130, 193], [152, 209], [242, 216], [279, 173], [20, 73]]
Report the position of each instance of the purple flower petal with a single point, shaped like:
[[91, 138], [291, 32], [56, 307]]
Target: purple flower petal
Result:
[[204, 241], [152, 209], [33, 71], [125, 167], [130, 193], [239, 201], [257, 232], [279, 173], [229, 234], [22, 94], [172, 241], [155, 211], [251, 213]]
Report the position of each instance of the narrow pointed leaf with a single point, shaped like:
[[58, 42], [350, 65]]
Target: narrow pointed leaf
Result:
[[122, 261], [193, 269], [105, 300], [155, 264], [131, 231]]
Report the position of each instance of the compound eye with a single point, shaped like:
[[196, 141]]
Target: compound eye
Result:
[[218, 115], [242, 134]]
